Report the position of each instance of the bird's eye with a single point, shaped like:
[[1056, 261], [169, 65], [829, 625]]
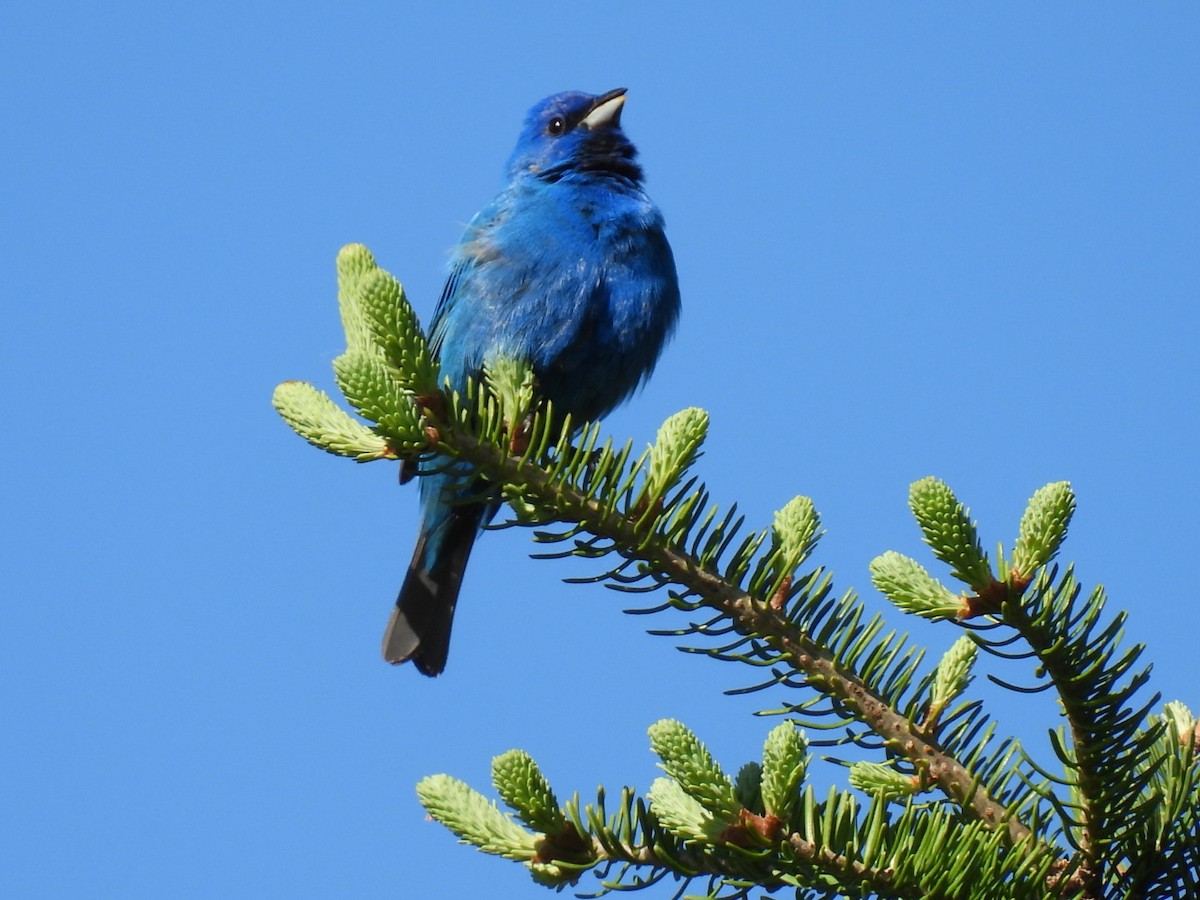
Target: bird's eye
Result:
[[556, 126]]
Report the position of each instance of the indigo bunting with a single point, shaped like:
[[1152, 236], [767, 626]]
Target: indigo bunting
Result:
[[567, 269]]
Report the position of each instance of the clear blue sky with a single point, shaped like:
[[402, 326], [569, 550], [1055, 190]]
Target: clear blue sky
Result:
[[939, 239]]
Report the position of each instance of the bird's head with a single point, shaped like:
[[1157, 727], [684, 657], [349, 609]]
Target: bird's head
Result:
[[573, 133]]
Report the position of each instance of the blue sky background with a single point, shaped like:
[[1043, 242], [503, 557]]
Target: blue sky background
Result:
[[939, 239]]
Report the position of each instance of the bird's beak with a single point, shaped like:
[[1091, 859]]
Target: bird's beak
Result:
[[605, 111]]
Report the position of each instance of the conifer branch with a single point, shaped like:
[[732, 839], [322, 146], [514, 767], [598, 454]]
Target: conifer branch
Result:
[[1122, 820], [753, 616]]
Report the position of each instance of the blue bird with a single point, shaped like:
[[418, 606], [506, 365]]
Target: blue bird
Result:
[[568, 269]]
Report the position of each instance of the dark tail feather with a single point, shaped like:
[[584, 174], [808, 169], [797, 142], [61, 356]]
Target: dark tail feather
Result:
[[420, 625]]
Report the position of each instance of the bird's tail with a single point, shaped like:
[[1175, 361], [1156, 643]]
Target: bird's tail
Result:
[[419, 628]]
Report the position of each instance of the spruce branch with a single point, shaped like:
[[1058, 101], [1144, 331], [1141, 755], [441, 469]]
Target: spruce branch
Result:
[[1169, 861], [774, 632], [566, 475], [1108, 812], [688, 829], [1119, 820], [1097, 687]]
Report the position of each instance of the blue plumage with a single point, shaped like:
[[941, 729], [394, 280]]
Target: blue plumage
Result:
[[567, 268]]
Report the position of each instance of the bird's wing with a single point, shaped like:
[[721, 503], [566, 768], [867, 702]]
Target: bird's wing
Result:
[[505, 291], [465, 264], [450, 296]]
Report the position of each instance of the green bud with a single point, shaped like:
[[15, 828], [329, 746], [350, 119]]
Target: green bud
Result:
[[316, 418], [785, 761], [795, 533], [354, 263], [1043, 527], [385, 361], [523, 787], [378, 319], [682, 814], [371, 387], [676, 448], [511, 382], [905, 582], [950, 532], [474, 819], [688, 761], [881, 781], [396, 332], [747, 787], [1180, 720], [952, 675], [551, 875]]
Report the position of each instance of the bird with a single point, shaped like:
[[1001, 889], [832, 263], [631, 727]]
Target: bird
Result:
[[568, 270]]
